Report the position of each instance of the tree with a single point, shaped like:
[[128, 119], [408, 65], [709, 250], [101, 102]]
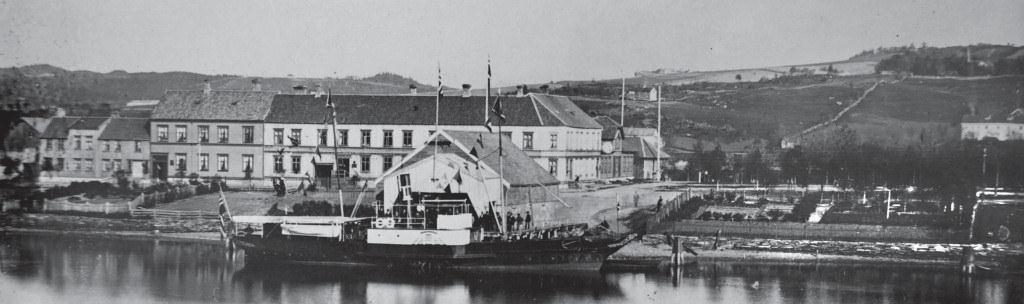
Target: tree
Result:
[[739, 77]]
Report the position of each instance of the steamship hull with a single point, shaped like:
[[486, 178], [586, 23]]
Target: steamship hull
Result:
[[580, 254]]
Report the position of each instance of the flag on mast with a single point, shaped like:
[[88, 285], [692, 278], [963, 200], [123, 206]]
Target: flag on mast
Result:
[[497, 118], [226, 227]]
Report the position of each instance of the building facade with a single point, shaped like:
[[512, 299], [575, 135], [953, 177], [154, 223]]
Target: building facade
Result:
[[1001, 127], [124, 146], [375, 132], [68, 147], [210, 133]]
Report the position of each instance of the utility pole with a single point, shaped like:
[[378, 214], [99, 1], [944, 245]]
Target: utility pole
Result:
[[657, 152]]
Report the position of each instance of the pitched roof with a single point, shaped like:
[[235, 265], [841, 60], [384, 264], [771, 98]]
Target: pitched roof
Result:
[[89, 123], [126, 129], [217, 105], [37, 123], [519, 169], [1015, 116], [640, 147], [632, 131], [611, 128], [419, 110], [58, 127]]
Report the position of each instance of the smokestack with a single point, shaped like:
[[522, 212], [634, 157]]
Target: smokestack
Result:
[[521, 90], [318, 92], [207, 89], [465, 90], [412, 89], [256, 86]]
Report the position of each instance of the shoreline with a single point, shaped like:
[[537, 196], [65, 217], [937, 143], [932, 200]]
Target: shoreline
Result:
[[618, 261]]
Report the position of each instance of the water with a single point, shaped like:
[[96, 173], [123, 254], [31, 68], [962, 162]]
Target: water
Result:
[[52, 269]]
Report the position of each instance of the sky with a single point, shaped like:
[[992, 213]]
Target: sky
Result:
[[526, 41]]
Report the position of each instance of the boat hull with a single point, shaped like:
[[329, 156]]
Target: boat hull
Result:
[[526, 255]]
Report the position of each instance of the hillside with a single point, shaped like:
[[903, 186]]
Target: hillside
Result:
[[43, 85]]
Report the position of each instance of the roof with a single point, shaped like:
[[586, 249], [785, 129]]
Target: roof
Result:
[[532, 110], [518, 168], [640, 147], [58, 127], [126, 129], [630, 131], [39, 124], [1015, 116], [215, 105], [142, 103], [89, 123], [611, 128]]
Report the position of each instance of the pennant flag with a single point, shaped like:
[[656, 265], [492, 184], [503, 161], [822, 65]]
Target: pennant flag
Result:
[[312, 161], [318, 155], [480, 140], [498, 115], [448, 188], [280, 152], [458, 177], [226, 228], [439, 93], [295, 141], [473, 152]]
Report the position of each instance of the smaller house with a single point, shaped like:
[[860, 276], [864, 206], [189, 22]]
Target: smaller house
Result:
[[68, 147], [613, 163], [642, 143], [998, 126], [124, 146]]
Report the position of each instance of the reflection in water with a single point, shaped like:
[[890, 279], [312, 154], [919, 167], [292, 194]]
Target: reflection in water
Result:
[[55, 269]]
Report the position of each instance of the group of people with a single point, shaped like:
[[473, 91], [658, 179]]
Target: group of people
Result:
[[512, 222]]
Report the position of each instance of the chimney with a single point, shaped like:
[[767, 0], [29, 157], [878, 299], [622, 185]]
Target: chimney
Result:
[[207, 89], [521, 90], [465, 90], [412, 89], [319, 91], [256, 85]]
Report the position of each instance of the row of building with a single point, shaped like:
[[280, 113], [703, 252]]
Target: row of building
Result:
[[255, 136]]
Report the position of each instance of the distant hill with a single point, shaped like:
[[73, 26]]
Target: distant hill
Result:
[[43, 85]]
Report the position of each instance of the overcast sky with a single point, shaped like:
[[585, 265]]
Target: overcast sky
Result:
[[528, 41]]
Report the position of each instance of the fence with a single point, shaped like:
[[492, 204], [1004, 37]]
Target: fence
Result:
[[172, 194], [172, 214], [783, 230], [105, 208]]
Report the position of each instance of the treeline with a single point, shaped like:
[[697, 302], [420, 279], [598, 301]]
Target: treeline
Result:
[[953, 61]]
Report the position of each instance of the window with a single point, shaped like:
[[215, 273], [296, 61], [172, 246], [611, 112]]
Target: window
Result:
[[342, 137], [323, 136], [78, 142], [407, 138], [388, 162], [161, 133], [204, 134], [365, 138], [278, 164], [222, 134], [568, 168], [204, 162], [247, 134], [553, 166], [222, 162], [296, 164], [60, 145], [364, 163], [554, 140], [76, 164], [106, 146], [507, 134], [296, 137], [181, 162], [138, 146], [49, 144], [106, 165], [60, 164], [117, 146], [88, 164], [117, 164], [389, 138], [47, 163], [247, 163], [527, 140], [88, 143], [179, 133], [278, 136]]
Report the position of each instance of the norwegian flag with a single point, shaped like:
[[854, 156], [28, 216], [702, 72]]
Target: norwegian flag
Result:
[[497, 118], [227, 228]]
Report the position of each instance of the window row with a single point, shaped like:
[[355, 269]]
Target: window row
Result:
[[365, 137], [203, 163], [203, 132], [107, 145], [87, 165]]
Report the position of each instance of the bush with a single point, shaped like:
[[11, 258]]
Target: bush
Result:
[[315, 208]]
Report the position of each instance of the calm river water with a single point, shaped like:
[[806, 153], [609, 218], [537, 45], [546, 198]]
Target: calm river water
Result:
[[51, 269]]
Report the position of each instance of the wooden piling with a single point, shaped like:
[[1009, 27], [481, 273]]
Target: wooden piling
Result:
[[967, 260]]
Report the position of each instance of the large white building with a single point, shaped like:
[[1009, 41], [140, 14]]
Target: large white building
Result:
[[1001, 127], [374, 132]]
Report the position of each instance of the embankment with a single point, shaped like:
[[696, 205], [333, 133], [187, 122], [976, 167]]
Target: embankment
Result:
[[807, 231]]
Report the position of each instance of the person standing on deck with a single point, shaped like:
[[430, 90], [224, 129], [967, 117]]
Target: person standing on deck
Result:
[[659, 204], [509, 222], [519, 221], [636, 199], [529, 220]]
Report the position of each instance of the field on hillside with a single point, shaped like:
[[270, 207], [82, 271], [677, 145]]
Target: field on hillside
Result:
[[924, 113]]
